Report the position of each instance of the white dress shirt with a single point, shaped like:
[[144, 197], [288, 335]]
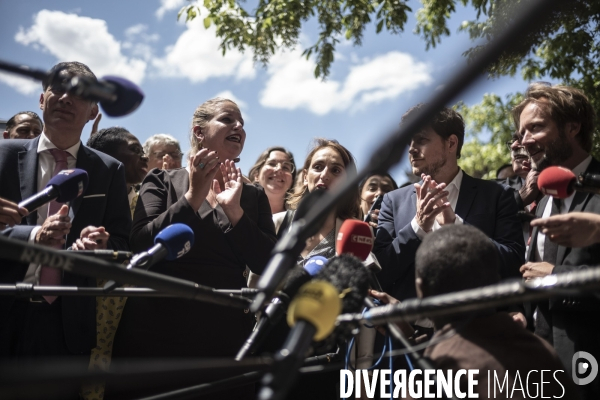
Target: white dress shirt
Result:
[[46, 164], [565, 205], [453, 189]]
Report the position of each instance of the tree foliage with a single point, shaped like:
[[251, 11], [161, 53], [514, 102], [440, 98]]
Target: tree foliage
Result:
[[276, 24], [566, 49]]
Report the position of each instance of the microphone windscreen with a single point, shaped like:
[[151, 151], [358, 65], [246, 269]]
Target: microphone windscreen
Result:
[[298, 276], [129, 97], [350, 277], [356, 238], [317, 302], [178, 239], [558, 182], [70, 183], [315, 264]]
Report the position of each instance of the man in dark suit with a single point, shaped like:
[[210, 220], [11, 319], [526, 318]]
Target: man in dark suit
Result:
[[556, 125], [99, 219], [446, 195]]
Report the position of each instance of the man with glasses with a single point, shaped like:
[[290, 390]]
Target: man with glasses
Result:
[[163, 152], [59, 326]]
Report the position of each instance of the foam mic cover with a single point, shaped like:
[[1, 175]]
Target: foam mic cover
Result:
[[558, 182], [319, 304], [129, 97], [177, 239], [351, 279], [70, 183], [356, 238]]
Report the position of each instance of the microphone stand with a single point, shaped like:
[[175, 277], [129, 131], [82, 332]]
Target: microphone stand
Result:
[[30, 290], [23, 252], [394, 330], [493, 296], [528, 17]]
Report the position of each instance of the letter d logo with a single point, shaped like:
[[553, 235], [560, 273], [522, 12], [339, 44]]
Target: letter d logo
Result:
[[590, 364]]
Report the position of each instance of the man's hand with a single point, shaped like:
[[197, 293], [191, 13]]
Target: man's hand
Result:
[[446, 217], [407, 329], [519, 318], [10, 213], [576, 229], [431, 201], [55, 228], [91, 238], [530, 191], [536, 270], [95, 125]]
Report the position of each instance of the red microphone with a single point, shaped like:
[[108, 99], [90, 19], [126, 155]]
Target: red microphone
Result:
[[558, 182], [355, 237]]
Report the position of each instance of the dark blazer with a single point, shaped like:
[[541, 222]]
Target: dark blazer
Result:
[[18, 181], [171, 327], [574, 321], [487, 205]]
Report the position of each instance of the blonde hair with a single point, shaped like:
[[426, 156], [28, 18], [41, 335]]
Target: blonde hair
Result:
[[202, 115]]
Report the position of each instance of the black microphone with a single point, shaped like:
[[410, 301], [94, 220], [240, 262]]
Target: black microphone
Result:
[[117, 96], [287, 249], [341, 285], [67, 185], [297, 277], [587, 182], [117, 256], [171, 243]]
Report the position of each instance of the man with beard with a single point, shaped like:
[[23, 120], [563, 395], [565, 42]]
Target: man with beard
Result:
[[556, 125], [446, 195]]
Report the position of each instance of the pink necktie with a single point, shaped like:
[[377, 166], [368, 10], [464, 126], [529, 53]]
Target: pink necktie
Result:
[[52, 276]]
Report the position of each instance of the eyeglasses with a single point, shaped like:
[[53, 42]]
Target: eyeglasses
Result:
[[285, 165], [175, 155], [510, 143]]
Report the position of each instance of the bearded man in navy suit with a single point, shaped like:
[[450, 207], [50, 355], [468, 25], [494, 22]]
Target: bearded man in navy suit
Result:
[[445, 195], [99, 219]]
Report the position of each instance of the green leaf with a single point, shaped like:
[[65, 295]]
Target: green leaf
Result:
[[207, 22]]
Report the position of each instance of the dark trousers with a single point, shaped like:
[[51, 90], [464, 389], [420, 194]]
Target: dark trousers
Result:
[[34, 335]]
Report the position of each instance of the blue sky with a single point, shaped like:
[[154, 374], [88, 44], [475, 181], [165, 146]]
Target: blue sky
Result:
[[179, 66]]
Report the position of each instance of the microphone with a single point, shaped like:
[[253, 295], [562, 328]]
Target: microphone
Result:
[[312, 313], [297, 277], [171, 243], [355, 237], [341, 285], [117, 96], [65, 186], [558, 182], [561, 182], [287, 249]]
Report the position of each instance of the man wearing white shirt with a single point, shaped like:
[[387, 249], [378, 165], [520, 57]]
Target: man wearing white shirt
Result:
[[98, 219], [556, 125], [446, 195]]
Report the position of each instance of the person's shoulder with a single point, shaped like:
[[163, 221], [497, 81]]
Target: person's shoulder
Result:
[[17, 144], [401, 194], [250, 189], [98, 155], [489, 186]]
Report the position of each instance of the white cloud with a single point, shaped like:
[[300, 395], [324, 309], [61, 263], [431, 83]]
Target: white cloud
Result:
[[228, 94], [139, 41], [292, 84], [197, 57], [70, 37], [21, 85], [168, 5]]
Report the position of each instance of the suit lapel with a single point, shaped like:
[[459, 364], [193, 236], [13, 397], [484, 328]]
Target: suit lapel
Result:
[[579, 201], [468, 191], [28, 162], [84, 163]]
